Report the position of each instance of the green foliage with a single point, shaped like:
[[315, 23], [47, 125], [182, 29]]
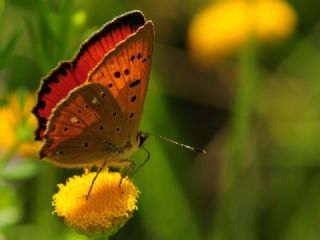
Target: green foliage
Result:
[[7, 50], [51, 33]]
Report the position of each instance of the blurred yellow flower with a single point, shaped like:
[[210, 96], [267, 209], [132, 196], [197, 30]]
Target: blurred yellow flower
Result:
[[17, 126], [106, 210], [225, 26]]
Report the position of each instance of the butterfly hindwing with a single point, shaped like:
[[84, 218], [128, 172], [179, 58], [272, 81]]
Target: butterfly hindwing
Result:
[[125, 71], [85, 128]]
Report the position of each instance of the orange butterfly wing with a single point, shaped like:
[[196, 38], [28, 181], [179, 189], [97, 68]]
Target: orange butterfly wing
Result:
[[125, 71]]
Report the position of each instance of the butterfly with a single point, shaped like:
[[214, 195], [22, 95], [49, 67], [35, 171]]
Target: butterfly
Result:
[[89, 109]]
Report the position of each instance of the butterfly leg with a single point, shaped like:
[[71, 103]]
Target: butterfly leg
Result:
[[131, 169], [126, 169], [95, 178], [134, 171]]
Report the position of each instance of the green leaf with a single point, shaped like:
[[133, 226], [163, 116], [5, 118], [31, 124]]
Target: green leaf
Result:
[[6, 51]]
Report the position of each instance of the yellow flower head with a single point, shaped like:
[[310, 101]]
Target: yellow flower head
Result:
[[225, 26], [108, 207], [17, 125]]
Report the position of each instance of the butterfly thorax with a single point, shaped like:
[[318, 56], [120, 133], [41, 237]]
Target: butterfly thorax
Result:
[[123, 152], [127, 150]]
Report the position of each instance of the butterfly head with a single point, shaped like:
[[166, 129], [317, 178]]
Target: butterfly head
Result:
[[142, 137]]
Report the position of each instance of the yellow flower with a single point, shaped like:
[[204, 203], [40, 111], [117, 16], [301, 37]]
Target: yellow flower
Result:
[[108, 207], [225, 26], [17, 126]]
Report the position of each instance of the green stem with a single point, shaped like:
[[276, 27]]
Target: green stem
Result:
[[235, 218], [243, 179], [242, 111], [45, 187]]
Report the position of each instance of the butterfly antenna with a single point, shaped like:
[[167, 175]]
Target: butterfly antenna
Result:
[[195, 149]]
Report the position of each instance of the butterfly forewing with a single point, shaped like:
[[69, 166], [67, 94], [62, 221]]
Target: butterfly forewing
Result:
[[125, 71], [85, 128], [71, 74]]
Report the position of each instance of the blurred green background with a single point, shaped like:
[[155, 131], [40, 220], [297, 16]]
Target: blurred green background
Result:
[[241, 82]]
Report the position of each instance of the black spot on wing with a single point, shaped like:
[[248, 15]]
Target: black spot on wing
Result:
[[134, 83]]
